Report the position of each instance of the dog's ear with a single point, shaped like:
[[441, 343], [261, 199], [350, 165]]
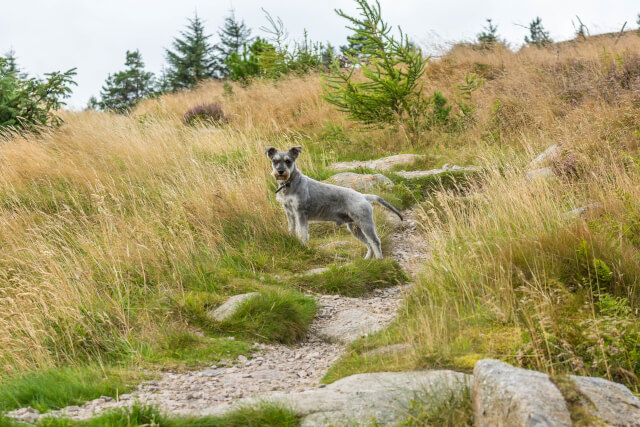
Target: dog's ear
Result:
[[295, 151], [270, 151]]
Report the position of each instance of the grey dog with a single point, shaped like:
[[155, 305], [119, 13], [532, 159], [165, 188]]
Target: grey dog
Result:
[[305, 199]]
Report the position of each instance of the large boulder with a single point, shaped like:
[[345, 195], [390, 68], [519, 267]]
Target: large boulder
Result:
[[366, 399], [230, 306], [361, 182], [385, 163], [508, 396], [613, 403]]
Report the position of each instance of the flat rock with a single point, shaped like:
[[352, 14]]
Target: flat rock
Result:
[[385, 163], [583, 211], [545, 157], [348, 325], [445, 169], [613, 402], [315, 271], [360, 399], [230, 306], [542, 173], [508, 396], [361, 182]]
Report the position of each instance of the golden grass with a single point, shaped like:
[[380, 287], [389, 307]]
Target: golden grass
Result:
[[105, 220]]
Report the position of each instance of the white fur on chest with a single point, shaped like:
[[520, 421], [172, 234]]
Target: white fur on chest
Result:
[[287, 200]]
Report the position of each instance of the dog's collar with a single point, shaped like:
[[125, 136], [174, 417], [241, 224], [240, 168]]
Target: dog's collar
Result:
[[288, 182]]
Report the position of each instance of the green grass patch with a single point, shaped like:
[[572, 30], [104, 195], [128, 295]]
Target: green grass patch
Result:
[[407, 192], [138, 416], [431, 408], [354, 279], [59, 387], [186, 350], [274, 316], [579, 405]]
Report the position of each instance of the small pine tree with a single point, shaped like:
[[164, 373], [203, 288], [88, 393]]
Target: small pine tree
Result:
[[124, 89], [27, 102], [537, 35], [191, 59], [488, 38], [11, 63], [391, 92], [638, 22], [234, 36]]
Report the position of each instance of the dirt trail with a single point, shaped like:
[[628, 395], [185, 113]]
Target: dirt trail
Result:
[[273, 368]]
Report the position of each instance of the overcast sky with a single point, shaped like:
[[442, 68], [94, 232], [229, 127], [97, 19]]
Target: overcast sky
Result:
[[94, 35]]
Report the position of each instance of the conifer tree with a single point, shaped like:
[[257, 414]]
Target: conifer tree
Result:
[[191, 59], [234, 35], [124, 89], [537, 35], [356, 42], [11, 63], [488, 37]]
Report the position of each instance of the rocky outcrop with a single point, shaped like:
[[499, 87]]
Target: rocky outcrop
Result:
[[539, 168], [363, 399], [361, 182], [445, 169], [612, 403], [546, 157], [508, 396], [385, 163], [230, 306]]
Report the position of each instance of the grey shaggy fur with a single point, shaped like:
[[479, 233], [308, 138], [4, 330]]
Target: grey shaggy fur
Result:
[[307, 200]]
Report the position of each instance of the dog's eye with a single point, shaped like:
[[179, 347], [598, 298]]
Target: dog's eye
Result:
[[288, 162]]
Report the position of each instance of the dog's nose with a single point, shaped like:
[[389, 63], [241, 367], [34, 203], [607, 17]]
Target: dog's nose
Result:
[[280, 171]]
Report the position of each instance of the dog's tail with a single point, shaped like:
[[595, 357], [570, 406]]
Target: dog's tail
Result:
[[377, 199]]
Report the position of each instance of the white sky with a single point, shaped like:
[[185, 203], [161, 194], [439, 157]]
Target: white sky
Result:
[[94, 35]]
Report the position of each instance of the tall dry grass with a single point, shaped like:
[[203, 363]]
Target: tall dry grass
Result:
[[513, 276], [107, 221]]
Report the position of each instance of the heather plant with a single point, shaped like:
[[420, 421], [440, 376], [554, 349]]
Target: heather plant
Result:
[[206, 113]]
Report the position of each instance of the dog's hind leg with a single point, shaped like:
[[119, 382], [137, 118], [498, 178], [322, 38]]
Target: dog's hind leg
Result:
[[357, 233], [369, 230]]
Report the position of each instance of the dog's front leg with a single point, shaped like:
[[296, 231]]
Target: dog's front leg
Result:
[[302, 227], [291, 219]]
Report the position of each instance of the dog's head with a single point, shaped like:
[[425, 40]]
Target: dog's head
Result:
[[283, 162]]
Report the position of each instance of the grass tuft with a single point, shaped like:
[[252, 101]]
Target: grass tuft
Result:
[[355, 279], [275, 316]]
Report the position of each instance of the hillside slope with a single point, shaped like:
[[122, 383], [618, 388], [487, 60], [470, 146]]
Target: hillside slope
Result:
[[119, 233]]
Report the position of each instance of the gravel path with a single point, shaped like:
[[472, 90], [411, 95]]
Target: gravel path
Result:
[[273, 368]]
